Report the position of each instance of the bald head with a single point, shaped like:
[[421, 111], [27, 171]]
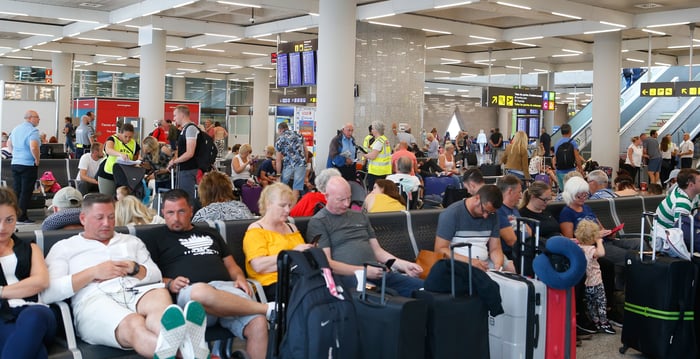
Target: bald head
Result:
[[338, 195]]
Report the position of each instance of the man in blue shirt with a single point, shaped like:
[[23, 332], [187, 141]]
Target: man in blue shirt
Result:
[[24, 145], [342, 152], [511, 189], [598, 183]]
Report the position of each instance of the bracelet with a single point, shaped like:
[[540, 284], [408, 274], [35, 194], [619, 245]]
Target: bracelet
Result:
[[167, 285]]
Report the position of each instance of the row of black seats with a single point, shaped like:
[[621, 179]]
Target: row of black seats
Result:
[[65, 170], [403, 234]]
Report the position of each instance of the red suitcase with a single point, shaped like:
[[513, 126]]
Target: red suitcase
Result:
[[556, 345]]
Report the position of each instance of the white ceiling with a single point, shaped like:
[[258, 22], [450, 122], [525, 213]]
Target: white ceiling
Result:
[[103, 34]]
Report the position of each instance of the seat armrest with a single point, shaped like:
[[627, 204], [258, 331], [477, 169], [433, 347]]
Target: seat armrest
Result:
[[67, 319], [258, 291]]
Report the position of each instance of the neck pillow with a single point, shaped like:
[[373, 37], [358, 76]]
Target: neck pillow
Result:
[[546, 272]]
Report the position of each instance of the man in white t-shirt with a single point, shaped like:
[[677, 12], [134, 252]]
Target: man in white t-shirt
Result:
[[685, 151], [87, 169]]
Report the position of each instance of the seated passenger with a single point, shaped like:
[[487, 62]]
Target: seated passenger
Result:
[[384, 197], [48, 183], [474, 220], [511, 189], [218, 201], [240, 166], [95, 268], [197, 265], [534, 205], [403, 176], [130, 210], [271, 234], [267, 174], [26, 327], [313, 201], [348, 240], [65, 210], [598, 183]]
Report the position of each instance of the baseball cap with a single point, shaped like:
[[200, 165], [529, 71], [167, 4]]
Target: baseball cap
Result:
[[47, 176], [67, 197], [672, 175]]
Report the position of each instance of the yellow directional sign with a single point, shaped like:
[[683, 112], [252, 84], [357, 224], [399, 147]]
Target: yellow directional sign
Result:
[[670, 89], [688, 88], [519, 98]]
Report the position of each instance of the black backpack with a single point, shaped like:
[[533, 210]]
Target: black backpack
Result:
[[314, 323], [565, 155], [205, 152]]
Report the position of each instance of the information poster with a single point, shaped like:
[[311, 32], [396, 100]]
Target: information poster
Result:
[[305, 117]]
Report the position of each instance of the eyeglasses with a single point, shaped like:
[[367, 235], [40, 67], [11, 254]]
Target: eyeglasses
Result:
[[582, 195], [545, 200], [483, 210]]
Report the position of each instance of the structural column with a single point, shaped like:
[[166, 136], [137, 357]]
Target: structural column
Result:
[[62, 66], [178, 88], [260, 133], [606, 99], [152, 82], [336, 73], [7, 73]]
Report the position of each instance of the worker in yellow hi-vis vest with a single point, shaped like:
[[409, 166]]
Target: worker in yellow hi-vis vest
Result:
[[379, 156]]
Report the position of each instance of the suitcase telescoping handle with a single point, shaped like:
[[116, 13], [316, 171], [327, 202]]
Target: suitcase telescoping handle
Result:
[[452, 266], [521, 223], [384, 269]]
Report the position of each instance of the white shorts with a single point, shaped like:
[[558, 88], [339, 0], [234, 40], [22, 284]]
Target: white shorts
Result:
[[98, 315]]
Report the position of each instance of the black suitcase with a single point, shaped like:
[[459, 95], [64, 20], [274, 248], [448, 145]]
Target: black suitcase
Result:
[[457, 326], [490, 170], [659, 304], [470, 160], [390, 326]]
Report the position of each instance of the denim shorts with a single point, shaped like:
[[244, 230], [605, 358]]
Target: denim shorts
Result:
[[299, 176]]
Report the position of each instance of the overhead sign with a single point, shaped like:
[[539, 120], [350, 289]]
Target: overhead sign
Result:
[[688, 88], [301, 46], [519, 98], [658, 89]]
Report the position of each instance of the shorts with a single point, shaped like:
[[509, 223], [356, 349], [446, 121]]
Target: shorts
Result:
[[235, 325], [654, 165], [98, 315], [299, 176]]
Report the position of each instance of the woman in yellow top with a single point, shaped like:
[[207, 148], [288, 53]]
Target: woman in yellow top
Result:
[[385, 197], [515, 157], [120, 145], [270, 235]]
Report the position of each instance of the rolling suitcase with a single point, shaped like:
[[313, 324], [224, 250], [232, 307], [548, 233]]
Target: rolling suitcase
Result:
[[314, 317], [561, 324], [659, 301], [457, 325], [390, 326], [470, 160], [520, 332]]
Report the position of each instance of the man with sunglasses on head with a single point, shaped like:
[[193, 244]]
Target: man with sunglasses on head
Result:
[[474, 220]]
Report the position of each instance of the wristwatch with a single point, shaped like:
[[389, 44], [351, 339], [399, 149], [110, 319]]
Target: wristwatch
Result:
[[137, 269]]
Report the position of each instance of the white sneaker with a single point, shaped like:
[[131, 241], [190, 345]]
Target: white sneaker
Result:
[[194, 346], [172, 333]]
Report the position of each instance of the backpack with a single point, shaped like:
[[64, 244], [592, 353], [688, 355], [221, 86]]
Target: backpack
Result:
[[205, 152], [314, 323], [565, 155]]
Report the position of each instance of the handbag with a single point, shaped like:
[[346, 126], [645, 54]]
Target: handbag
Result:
[[426, 259]]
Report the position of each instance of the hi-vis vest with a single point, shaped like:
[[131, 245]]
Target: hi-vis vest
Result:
[[381, 165], [121, 147]]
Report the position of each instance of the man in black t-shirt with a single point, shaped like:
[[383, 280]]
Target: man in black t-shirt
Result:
[[496, 141], [546, 142], [196, 263]]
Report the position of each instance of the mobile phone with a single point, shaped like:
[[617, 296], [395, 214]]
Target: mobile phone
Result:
[[314, 242], [616, 229], [389, 264]]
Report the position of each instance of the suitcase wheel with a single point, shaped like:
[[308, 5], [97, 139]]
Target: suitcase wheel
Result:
[[623, 349]]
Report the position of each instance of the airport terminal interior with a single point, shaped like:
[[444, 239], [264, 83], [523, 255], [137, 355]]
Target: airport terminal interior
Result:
[[610, 69]]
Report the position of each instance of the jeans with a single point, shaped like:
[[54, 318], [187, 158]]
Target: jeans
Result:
[[29, 335], [299, 174], [187, 180], [70, 146], [24, 179], [81, 151]]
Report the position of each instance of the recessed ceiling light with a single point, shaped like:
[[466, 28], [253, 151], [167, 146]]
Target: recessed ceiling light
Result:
[[90, 4], [649, 5]]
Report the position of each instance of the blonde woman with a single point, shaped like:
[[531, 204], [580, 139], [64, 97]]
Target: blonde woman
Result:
[[515, 157], [130, 210], [446, 160], [155, 161], [240, 166], [271, 234]]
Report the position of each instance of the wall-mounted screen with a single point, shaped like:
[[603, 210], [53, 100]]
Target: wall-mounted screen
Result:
[[308, 59], [295, 69], [534, 127], [282, 70]]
